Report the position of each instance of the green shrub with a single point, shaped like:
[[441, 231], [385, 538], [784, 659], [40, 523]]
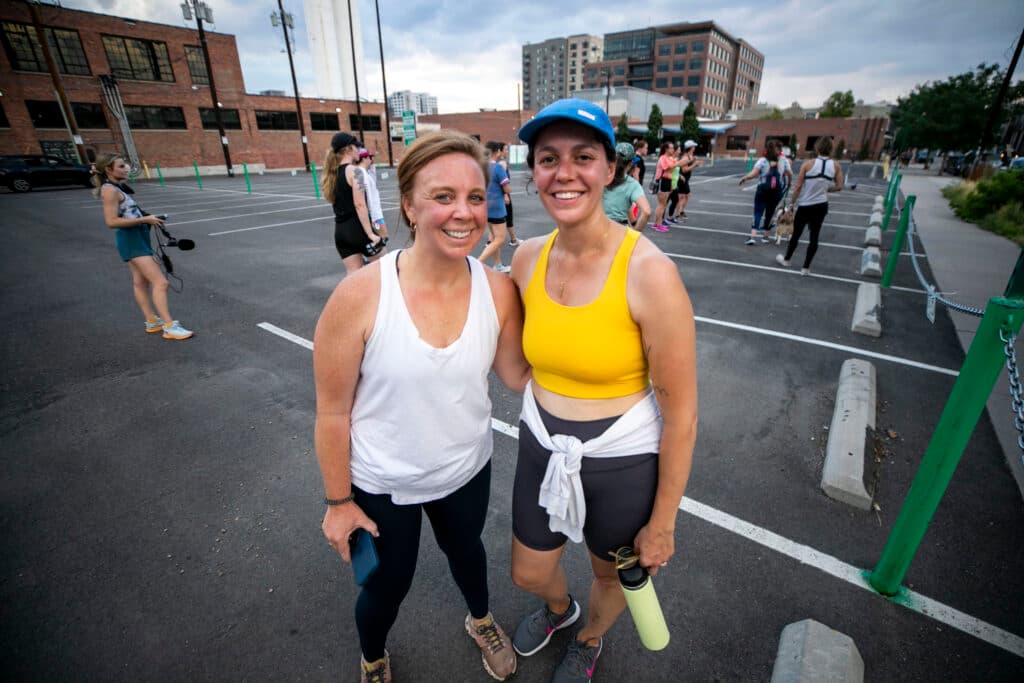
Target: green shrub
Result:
[[1007, 221], [991, 194], [957, 194]]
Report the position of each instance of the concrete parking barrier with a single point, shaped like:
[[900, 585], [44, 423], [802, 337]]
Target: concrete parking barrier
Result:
[[873, 236], [867, 310], [876, 218], [871, 262], [810, 652], [851, 432]]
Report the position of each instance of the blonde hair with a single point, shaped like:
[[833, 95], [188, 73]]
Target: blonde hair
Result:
[[103, 163], [426, 149], [329, 179]]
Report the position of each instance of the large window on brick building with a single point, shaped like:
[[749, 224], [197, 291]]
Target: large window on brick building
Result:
[[737, 142], [229, 117], [323, 121], [370, 123], [25, 53], [89, 115], [136, 59], [277, 120], [47, 114], [4, 123], [155, 118], [196, 65]]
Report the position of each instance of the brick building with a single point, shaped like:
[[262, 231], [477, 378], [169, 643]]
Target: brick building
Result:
[[502, 126], [163, 86]]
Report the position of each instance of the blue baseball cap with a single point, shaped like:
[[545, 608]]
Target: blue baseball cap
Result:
[[580, 111]]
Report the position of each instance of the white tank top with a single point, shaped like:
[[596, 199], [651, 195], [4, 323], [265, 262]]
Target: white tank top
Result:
[[817, 181], [421, 421]]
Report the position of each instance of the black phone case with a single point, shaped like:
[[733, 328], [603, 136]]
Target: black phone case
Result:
[[364, 556]]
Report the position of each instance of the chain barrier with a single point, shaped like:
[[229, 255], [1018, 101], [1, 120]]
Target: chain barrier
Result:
[[1016, 399], [963, 308]]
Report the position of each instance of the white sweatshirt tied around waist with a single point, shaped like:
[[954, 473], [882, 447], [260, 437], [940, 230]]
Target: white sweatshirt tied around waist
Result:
[[561, 493]]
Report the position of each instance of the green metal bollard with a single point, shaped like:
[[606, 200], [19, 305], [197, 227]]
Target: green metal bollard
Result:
[[897, 245], [316, 184], [981, 368], [750, 161], [894, 195], [198, 179], [248, 185], [160, 174]]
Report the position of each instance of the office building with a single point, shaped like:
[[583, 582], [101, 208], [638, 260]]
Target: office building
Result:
[[555, 68], [407, 100]]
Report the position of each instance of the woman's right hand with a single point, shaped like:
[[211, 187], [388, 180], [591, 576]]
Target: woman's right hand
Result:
[[341, 521], [151, 220]]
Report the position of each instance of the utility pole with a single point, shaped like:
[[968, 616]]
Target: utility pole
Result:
[[993, 114], [384, 79], [287, 22], [58, 84], [203, 11], [355, 73], [607, 88]]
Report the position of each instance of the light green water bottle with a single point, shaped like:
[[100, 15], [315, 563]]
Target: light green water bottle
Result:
[[642, 600]]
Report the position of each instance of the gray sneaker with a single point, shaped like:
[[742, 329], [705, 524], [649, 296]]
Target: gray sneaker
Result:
[[579, 663], [535, 630]]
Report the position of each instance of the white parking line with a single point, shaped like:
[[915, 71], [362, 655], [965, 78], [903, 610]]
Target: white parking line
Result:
[[804, 554], [258, 213], [263, 227], [785, 271], [746, 233]]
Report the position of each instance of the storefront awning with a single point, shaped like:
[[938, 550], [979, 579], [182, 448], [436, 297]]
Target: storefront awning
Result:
[[716, 128]]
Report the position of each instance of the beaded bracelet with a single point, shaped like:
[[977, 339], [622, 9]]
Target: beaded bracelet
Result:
[[340, 501]]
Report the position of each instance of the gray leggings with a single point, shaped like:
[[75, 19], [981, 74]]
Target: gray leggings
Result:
[[619, 492]]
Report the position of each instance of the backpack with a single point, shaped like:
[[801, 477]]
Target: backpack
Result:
[[771, 186]]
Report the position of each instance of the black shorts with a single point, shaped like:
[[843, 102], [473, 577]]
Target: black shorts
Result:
[[665, 185], [350, 238], [508, 214], [683, 186], [495, 221], [619, 492]]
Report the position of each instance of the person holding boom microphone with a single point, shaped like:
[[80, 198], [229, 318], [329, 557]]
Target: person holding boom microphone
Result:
[[121, 213]]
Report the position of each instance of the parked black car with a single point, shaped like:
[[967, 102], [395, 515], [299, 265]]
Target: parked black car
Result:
[[22, 172]]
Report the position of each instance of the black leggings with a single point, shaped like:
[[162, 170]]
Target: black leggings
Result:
[[458, 521], [811, 216]]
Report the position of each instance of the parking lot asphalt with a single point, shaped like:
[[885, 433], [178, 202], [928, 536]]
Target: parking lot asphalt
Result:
[[161, 502]]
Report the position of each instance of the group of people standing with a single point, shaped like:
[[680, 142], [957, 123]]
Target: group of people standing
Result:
[[592, 324]]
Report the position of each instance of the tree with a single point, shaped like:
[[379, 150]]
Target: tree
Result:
[[775, 113], [654, 124], [839, 105], [622, 133], [950, 115], [691, 126]]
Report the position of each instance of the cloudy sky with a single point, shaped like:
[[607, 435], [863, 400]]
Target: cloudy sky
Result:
[[468, 54]]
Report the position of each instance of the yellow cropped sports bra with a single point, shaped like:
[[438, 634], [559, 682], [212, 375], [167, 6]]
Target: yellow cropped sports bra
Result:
[[591, 351]]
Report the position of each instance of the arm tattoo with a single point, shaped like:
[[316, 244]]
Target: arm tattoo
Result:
[[360, 178], [660, 390]]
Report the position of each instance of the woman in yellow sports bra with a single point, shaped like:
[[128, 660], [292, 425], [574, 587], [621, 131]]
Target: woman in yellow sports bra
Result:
[[610, 415]]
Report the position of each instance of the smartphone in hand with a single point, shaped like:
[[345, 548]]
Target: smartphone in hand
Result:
[[364, 556]]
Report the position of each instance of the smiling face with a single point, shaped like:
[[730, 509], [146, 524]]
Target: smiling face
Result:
[[448, 204], [571, 168]]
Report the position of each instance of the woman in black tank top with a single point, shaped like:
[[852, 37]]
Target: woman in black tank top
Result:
[[344, 186]]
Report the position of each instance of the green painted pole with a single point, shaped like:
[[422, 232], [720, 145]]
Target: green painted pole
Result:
[[198, 179], [750, 161], [893, 196], [160, 174], [897, 245], [316, 185], [981, 369], [248, 185]]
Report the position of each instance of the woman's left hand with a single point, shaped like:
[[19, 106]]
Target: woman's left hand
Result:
[[654, 546]]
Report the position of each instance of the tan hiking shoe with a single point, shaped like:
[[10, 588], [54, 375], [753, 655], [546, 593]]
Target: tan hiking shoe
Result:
[[495, 648], [375, 672]]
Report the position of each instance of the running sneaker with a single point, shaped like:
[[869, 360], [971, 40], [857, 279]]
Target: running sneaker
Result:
[[579, 662], [156, 326], [750, 242], [671, 220], [495, 649], [375, 672], [502, 268], [514, 243], [175, 331], [805, 271], [535, 630], [781, 260], [765, 239], [660, 227]]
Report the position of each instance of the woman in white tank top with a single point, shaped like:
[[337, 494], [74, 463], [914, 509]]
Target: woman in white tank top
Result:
[[817, 178], [401, 359]]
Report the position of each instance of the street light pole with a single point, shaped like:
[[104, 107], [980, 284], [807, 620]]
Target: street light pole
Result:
[[355, 73], [286, 22], [202, 10], [384, 79], [607, 88]]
